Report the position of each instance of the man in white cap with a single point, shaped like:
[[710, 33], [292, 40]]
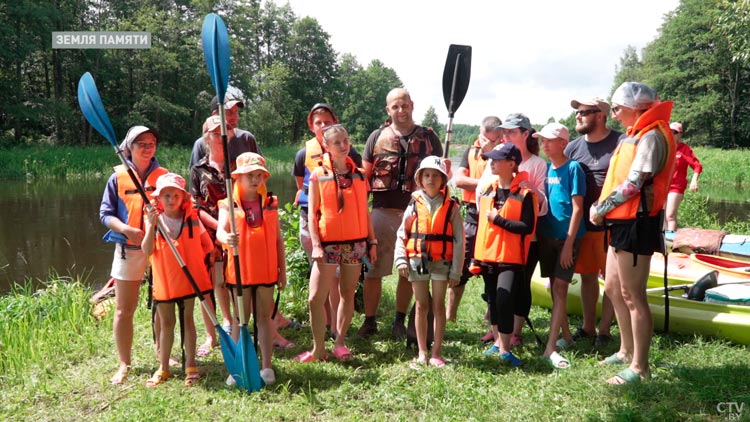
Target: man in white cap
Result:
[[238, 141], [593, 150], [631, 205]]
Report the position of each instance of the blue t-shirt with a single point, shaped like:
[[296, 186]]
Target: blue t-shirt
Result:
[[561, 185]]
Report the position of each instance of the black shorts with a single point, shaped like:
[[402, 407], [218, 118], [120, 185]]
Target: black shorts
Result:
[[549, 258], [641, 237]]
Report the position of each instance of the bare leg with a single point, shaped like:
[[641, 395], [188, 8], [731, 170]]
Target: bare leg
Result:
[[403, 295], [608, 315], [673, 204], [346, 287], [559, 315], [422, 295], [612, 286], [633, 285], [126, 301], [191, 335], [320, 284], [373, 289], [333, 303], [438, 309], [264, 301], [454, 299], [589, 299], [166, 337]]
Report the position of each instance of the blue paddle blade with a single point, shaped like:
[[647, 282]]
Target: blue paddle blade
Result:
[[250, 379], [93, 108], [216, 53]]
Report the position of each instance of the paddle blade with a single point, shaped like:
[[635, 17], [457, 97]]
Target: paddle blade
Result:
[[250, 377], [216, 53], [93, 108], [456, 76]]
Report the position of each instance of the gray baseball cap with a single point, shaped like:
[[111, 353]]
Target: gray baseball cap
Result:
[[516, 120]]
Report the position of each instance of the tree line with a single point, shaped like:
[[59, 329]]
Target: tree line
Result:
[[282, 64]]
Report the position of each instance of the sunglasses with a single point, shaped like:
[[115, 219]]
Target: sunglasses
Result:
[[585, 113], [674, 132]]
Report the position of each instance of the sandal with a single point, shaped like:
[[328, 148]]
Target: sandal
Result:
[[437, 362], [557, 361], [343, 354], [119, 377], [192, 376], [308, 357], [158, 378], [488, 338], [516, 341], [418, 364], [613, 359], [626, 376], [205, 349], [281, 343]]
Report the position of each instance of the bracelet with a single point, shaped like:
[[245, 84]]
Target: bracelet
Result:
[[373, 242]]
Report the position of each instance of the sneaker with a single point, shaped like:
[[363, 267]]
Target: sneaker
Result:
[[398, 330], [268, 376], [492, 350], [367, 329], [582, 334], [510, 359], [602, 340]]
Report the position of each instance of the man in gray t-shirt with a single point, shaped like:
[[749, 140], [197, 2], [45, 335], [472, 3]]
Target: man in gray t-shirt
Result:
[[593, 150]]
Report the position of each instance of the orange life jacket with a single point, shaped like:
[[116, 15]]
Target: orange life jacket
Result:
[[396, 159], [494, 244], [654, 192], [313, 160], [170, 282], [350, 223], [132, 200], [476, 168], [258, 251], [431, 238]]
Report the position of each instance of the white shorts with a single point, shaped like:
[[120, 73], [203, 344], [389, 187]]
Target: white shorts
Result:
[[385, 222], [132, 267]]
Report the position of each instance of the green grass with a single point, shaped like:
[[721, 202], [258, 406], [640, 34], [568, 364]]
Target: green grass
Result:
[[57, 359]]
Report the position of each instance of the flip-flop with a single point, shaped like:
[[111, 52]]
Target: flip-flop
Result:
[[308, 357], [192, 376], [488, 338], [438, 362], [158, 378], [557, 361], [627, 376], [343, 354], [280, 343], [418, 364], [612, 359]]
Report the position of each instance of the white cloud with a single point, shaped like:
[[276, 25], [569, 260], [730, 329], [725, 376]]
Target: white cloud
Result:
[[531, 57]]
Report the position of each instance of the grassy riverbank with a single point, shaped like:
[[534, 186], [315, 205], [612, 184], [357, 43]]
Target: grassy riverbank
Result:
[[57, 359]]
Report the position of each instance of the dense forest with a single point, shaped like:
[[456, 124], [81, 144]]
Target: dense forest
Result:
[[282, 64]]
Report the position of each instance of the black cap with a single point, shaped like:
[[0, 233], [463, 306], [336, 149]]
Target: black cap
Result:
[[506, 151]]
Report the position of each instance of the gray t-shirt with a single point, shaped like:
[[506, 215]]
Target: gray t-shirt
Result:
[[594, 158]]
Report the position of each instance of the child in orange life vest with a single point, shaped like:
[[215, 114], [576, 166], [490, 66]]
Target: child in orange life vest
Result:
[[171, 285], [342, 235], [261, 250], [430, 246], [507, 217]]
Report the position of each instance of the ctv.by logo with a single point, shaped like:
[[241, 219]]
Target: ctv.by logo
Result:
[[731, 410]]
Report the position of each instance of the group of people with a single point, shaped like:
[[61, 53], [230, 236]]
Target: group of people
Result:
[[519, 210]]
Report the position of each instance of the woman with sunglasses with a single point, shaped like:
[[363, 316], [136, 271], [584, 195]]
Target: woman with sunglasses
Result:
[[630, 205], [685, 157], [342, 238]]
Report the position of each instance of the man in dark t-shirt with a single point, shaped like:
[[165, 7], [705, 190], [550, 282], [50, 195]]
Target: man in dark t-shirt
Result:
[[593, 150], [391, 157]]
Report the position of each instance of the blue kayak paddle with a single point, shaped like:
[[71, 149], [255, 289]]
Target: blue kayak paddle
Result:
[[216, 53]]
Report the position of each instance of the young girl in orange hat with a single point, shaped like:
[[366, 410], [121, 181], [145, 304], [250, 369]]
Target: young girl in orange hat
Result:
[[171, 285], [260, 250]]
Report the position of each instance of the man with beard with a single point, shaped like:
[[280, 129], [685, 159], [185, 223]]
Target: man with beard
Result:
[[593, 150]]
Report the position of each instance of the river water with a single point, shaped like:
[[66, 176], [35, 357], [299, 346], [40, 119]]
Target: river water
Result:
[[53, 227]]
